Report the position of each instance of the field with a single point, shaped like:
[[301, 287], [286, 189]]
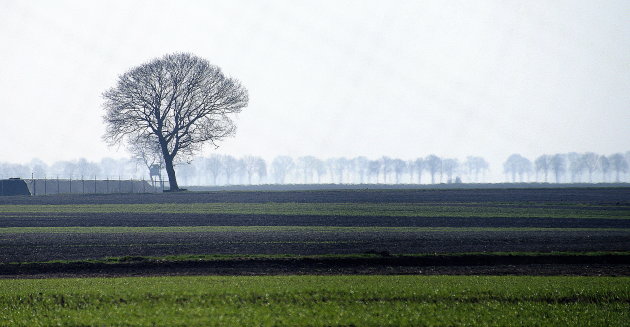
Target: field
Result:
[[317, 301], [308, 239]]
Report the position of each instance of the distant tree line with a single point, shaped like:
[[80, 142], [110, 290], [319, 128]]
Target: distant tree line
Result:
[[229, 170], [571, 167]]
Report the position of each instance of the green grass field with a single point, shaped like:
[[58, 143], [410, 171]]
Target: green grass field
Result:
[[317, 301], [499, 210]]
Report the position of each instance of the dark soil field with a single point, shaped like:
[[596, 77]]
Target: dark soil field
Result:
[[463, 244], [525, 196]]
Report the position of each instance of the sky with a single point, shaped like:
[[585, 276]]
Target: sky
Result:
[[332, 78]]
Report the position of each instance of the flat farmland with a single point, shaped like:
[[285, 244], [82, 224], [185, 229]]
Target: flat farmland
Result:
[[506, 231]]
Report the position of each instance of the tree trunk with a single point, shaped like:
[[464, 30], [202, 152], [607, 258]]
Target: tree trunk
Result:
[[170, 170]]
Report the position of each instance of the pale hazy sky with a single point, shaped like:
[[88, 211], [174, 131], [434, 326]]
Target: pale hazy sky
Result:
[[333, 78]]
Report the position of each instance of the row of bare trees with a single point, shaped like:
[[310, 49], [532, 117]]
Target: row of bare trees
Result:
[[567, 168], [107, 168], [226, 170], [229, 170]]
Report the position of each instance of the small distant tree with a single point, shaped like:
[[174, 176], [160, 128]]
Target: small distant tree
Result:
[[361, 167], [214, 166], [576, 166], [261, 170], [87, 169], [319, 168], [306, 165], [558, 166], [399, 167], [230, 167], [591, 163], [449, 166], [253, 166], [618, 164], [66, 169], [38, 168], [543, 164], [419, 166], [281, 166], [179, 101], [340, 165], [604, 167], [476, 165], [387, 166], [517, 165], [374, 169], [434, 165]]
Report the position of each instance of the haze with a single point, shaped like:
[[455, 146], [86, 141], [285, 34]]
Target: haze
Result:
[[333, 78]]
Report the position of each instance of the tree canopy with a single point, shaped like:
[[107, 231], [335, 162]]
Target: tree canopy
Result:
[[173, 104]]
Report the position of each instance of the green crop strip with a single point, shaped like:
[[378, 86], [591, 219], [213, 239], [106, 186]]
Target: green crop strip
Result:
[[236, 257], [329, 209], [317, 301], [299, 229]]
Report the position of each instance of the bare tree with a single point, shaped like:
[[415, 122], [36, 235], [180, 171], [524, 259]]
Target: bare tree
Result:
[[230, 167], [604, 167], [281, 165], [398, 166], [558, 166], [361, 166], [87, 169], [517, 165], [340, 166], [252, 167], [591, 163], [387, 166], [434, 165], [449, 166], [306, 165], [476, 165], [419, 166], [181, 100], [38, 168], [319, 168], [262, 170], [618, 164], [543, 163], [213, 165], [374, 169], [576, 166]]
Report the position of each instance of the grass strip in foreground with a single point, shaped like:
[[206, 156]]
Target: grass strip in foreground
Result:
[[317, 301], [276, 229]]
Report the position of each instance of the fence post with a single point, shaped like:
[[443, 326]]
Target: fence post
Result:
[[70, 184], [94, 184], [132, 185], [33, 181], [82, 185], [45, 182]]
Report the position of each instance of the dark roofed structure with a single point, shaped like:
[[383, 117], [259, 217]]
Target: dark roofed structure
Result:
[[13, 186]]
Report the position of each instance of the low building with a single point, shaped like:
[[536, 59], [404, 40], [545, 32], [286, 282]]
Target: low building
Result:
[[13, 186]]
